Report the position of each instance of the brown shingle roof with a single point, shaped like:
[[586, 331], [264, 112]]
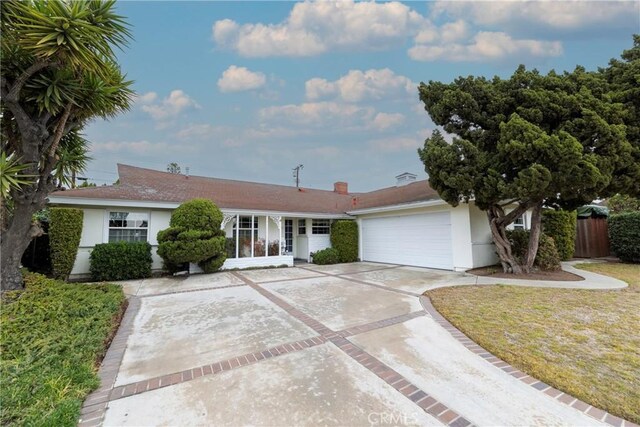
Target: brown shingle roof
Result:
[[151, 185]]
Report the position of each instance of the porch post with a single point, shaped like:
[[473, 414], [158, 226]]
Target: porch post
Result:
[[252, 242], [237, 233], [278, 220], [266, 239]]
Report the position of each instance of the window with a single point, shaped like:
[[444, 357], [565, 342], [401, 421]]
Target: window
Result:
[[320, 226], [245, 229], [128, 226], [519, 223], [302, 226], [288, 236]]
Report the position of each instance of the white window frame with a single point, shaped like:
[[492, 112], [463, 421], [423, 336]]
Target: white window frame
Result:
[[314, 225], [522, 225], [107, 217], [302, 224]]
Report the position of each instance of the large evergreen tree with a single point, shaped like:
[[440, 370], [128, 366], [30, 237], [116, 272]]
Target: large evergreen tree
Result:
[[534, 140], [59, 71]]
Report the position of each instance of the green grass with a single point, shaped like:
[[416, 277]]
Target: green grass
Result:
[[52, 337], [582, 342]]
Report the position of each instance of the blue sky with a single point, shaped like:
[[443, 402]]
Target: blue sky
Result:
[[249, 90]]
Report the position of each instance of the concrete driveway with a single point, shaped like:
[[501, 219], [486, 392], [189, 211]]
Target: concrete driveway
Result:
[[346, 345]]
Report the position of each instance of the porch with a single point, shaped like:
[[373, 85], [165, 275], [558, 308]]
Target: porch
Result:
[[263, 240]]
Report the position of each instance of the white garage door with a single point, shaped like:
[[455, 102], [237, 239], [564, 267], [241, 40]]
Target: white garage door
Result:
[[421, 240]]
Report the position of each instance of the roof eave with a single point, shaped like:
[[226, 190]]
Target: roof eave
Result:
[[398, 207], [145, 204]]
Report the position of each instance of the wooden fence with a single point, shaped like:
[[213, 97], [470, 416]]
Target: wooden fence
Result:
[[592, 238]]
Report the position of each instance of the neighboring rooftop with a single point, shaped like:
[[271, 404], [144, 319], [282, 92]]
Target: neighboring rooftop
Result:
[[156, 186]]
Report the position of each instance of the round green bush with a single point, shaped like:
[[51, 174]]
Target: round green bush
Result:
[[197, 214], [65, 230], [547, 257], [344, 238], [194, 237], [624, 235], [326, 256], [561, 226]]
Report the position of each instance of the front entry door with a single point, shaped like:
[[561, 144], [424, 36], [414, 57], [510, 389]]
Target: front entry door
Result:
[[288, 236]]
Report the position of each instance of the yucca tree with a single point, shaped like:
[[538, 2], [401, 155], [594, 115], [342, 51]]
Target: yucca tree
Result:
[[59, 71], [73, 158]]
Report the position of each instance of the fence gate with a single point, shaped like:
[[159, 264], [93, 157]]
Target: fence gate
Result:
[[592, 238]]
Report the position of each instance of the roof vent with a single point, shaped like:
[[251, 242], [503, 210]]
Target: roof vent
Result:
[[405, 178], [341, 187]]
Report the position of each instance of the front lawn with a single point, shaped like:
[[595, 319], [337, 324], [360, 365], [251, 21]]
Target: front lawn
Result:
[[584, 343], [52, 337]]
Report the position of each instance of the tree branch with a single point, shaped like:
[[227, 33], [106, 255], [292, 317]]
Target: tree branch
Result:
[[14, 92]]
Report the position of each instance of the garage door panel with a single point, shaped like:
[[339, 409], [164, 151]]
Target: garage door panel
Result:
[[422, 240]]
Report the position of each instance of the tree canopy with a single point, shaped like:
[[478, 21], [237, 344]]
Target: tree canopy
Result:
[[530, 140], [59, 71]]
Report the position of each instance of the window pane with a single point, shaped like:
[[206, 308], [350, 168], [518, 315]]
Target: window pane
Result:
[[127, 235], [128, 220], [321, 226]]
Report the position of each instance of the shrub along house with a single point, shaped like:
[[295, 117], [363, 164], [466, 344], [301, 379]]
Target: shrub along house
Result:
[[272, 224]]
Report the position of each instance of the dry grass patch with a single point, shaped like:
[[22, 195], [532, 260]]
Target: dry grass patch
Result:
[[585, 343]]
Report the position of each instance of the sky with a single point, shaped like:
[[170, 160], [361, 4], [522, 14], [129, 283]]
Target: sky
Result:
[[250, 90]]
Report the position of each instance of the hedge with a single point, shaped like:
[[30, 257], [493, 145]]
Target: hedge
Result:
[[547, 257], [561, 226], [120, 261], [624, 235], [65, 230], [344, 238], [194, 236], [326, 256]]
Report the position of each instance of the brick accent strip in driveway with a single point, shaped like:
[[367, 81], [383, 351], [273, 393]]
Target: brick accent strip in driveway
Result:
[[95, 404], [394, 379], [211, 369], [567, 399]]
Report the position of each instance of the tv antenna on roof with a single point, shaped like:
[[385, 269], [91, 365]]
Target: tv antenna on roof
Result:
[[296, 174]]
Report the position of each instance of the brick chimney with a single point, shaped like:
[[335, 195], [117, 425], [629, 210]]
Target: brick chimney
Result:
[[341, 187]]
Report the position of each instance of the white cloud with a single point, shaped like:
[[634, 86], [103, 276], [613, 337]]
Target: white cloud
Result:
[[400, 143], [560, 15], [384, 121], [313, 28], [146, 98], [236, 79], [359, 85], [135, 147], [169, 107], [318, 114], [486, 46]]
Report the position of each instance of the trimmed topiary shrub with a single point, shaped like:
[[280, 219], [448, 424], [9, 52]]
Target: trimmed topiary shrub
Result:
[[65, 230], [197, 214], [547, 257], [326, 256], [194, 237], [624, 235], [120, 261], [344, 238], [561, 226]]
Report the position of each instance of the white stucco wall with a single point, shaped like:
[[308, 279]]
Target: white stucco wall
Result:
[[483, 249], [95, 231]]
